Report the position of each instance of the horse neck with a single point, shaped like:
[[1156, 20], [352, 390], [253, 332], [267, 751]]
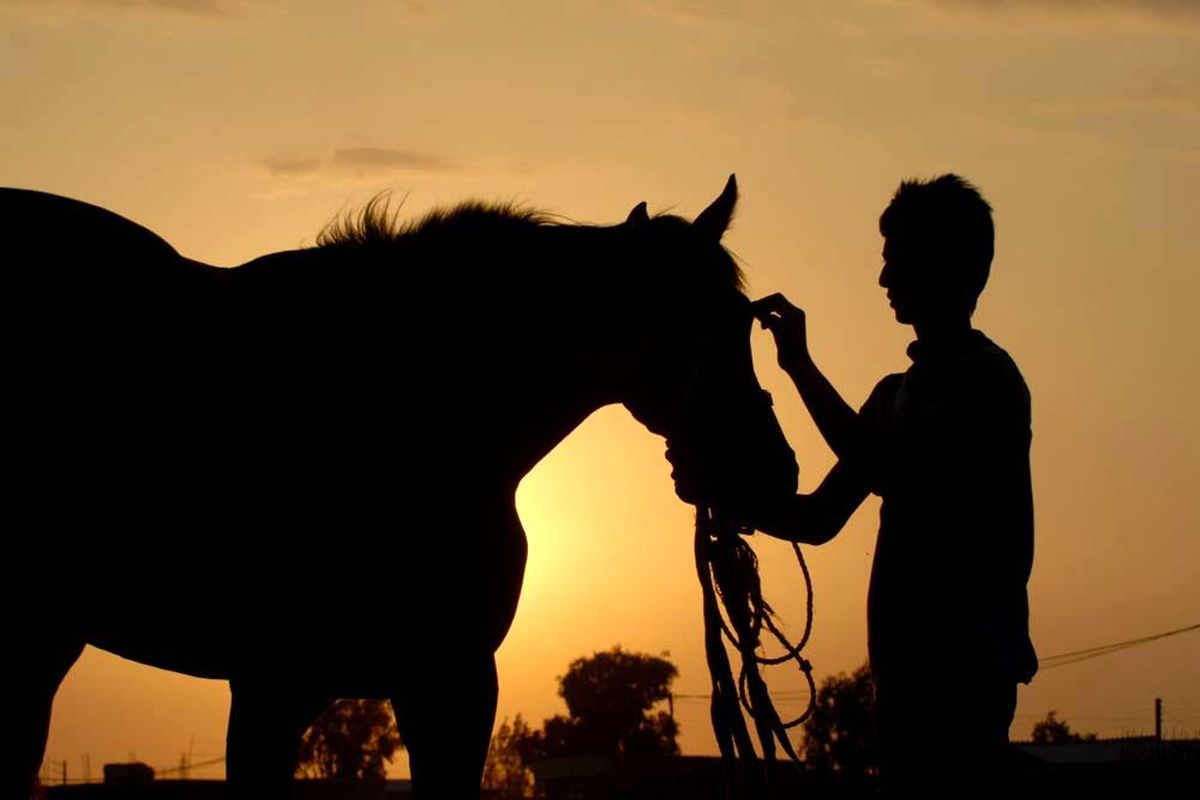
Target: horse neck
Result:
[[554, 343], [503, 367], [540, 386]]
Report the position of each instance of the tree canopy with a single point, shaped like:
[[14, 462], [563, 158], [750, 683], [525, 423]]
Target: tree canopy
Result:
[[506, 773], [840, 735], [352, 739], [1053, 730], [610, 697]]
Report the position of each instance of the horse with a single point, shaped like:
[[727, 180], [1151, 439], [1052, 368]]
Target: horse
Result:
[[245, 473]]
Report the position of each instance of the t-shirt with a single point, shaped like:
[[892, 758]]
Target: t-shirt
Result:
[[947, 449]]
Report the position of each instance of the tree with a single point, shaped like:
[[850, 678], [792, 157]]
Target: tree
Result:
[[352, 739], [1053, 730], [609, 697], [506, 773], [840, 735]]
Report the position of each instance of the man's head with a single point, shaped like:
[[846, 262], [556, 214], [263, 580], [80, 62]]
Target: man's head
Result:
[[937, 252]]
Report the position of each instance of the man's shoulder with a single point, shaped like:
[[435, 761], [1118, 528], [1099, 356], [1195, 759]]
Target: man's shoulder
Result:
[[991, 381], [884, 392], [889, 383], [990, 362]]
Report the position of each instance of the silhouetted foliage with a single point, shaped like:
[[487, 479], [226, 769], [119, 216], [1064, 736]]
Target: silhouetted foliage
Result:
[[1053, 730], [506, 773], [609, 698], [352, 739], [840, 735]]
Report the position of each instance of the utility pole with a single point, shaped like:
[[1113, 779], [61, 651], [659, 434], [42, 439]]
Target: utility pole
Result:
[[1158, 719]]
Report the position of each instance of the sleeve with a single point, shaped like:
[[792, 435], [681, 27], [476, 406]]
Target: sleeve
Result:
[[869, 462]]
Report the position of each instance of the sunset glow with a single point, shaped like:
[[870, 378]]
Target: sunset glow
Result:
[[235, 128]]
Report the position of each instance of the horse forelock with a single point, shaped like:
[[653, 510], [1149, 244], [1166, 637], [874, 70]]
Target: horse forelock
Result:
[[679, 234]]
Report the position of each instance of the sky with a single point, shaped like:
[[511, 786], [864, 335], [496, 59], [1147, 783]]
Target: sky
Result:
[[235, 128]]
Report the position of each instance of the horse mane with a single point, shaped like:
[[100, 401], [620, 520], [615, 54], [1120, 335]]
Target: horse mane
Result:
[[377, 224]]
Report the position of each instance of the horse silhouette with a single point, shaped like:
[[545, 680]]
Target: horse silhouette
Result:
[[298, 474]]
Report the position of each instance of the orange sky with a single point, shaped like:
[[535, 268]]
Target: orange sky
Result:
[[235, 128]]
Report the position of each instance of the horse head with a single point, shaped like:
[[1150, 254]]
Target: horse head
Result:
[[693, 379]]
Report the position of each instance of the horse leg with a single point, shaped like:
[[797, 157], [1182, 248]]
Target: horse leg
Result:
[[266, 724], [445, 707], [445, 717], [41, 662]]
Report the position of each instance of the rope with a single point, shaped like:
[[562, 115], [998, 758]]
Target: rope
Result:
[[728, 572]]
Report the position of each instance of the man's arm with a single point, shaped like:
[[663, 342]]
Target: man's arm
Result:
[[818, 517], [835, 419]]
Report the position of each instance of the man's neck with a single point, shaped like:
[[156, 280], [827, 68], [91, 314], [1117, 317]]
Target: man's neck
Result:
[[935, 332]]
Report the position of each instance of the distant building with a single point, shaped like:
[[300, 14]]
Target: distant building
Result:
[[1128, 750], [678, 778], [127, 774], [1132, 767], [1139, 767], [215, 790]]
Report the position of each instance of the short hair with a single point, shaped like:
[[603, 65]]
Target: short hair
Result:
[[950, 215]]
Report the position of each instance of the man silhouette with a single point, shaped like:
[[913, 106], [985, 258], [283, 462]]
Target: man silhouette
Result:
[[946, 446]]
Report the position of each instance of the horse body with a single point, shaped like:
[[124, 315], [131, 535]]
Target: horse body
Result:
[[246, 473]]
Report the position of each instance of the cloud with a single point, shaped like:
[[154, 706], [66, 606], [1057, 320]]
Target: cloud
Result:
[[1176, 98], [357, 162], [418, 8], [1159, 14], [382, 158], [199, 7], [410, 10], [190, 8], [290, 167], [681, 12], [1169, 8]]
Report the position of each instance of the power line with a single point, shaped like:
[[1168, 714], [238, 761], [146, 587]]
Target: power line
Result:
[[787, 694], [189, 766], [159, 772], [1075, 656], [1044, 662]]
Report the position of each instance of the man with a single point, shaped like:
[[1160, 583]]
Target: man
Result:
[[946, 446]]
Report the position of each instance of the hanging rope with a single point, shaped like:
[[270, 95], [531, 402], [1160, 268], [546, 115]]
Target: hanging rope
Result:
[[728, 572]]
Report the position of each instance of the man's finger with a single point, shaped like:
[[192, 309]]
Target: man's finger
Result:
[[767, 310], [775, 304], [772, 302]]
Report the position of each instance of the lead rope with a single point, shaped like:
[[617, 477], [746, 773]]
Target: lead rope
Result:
[[728, 572]]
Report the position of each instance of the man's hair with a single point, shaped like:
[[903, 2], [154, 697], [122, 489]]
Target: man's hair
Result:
[[949, 219]]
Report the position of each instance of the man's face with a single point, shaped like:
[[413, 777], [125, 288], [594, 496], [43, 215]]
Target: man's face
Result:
[[905, 276], [915, 275]]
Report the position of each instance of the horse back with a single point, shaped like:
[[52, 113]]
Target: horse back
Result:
[[198, 451], [105, 338]]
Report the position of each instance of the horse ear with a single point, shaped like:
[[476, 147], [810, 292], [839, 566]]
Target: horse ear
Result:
[[639, 214], [713, 220]]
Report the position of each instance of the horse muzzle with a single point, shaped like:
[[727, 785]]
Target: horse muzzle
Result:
[[738, 469]]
